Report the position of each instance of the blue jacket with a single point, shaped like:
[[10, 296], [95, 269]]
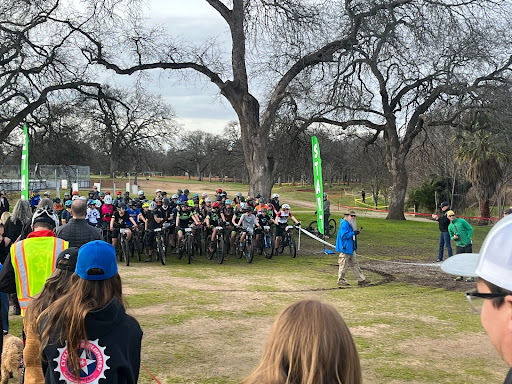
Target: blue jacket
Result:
[[346, 241]]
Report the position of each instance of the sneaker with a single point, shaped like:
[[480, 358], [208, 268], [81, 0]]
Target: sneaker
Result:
[[470, 279], [343, 283], [459, 278], [364, 282], [148, 259], [439, 261], [16, 311]]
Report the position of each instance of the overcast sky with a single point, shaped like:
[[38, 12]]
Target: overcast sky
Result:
[[198, 103]]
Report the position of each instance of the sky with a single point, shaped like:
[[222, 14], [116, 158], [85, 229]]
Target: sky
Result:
[[197, 102]]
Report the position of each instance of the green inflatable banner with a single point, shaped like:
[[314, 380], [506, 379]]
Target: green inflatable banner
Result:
[[24, 165], [319, 186]]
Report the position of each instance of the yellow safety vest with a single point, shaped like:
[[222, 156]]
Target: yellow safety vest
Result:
[[33, 261]]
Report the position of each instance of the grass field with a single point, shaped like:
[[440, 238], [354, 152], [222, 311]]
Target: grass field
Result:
[[207, 323]]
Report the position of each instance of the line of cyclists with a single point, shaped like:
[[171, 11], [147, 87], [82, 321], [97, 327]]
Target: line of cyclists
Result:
[[184, 212]]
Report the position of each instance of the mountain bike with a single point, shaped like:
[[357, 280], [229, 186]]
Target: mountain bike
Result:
[[160, 245], [124, 254], [265, 244], [187, 244], [137, 241], [313, 227], [247, 248], [287, 241], [218, 246]]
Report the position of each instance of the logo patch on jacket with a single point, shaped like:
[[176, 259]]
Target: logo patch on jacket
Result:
[[93, 363]]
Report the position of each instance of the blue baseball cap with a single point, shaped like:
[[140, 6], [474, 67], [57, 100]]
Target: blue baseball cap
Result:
[[96, 254]]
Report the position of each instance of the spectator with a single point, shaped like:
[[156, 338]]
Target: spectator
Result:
[[44, 203], [493, 295], [34, 201], [33, 259], [77, 231], [309, 343], [4, 204], [460, 231], [55, 286], [90, 320], [363, 196], [327, 214], [444, 236], [95, 192], [507, 212], [346, 244]]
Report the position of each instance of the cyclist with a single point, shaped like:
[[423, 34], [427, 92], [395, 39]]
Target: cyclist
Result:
[[247, 221], [141, 196], [152, 218], [57, 207], [184, 217], [262, 220], [119, 219], [118, 199], [66, 198], [107, 210], [169, 217], [158, 193], [174, 201], [275, 203], [184, 196], [261, 205], [281, 221], [212, 221], [228, 215], [35, 199], [240, 197], [134, 213], [101, 196], [66, 214], [204, 195], [93, 215]]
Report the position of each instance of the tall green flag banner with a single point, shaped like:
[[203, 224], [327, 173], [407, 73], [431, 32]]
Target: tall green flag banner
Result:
[[24, 165], [319, 186]]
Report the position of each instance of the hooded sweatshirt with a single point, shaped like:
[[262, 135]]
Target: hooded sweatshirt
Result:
[[114, 345]]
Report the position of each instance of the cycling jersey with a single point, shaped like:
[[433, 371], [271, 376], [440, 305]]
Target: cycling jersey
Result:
[[282, 217], [228, 213], [248, 222], [166, 213], [134, 213], [214, 218], [92, 216], [120, 220], [106, 212], [184, 217], [264, 219], [150, 217]]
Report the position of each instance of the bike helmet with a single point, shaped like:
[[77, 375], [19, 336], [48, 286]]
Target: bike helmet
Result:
[[140, 193], [122, 206], [190, 203], [45, 215], [75, 193], [285, 206], [158, 190], [243, 206], [204, 194], [264, 210], [46, 194], [75, 197], [68, 203], [83, 198], [228, 202], [216, 205], [152, 206], [186, 191], [108, 199], [91, 202], [175, 196], [275, 196], [166, 201], [207, 200], [98, 203], [57, 200], [145, 205], [239, 194], [219, 190], [261, 200], [223, 194], [325, 194], [180, 192], [119, 193], [195, 195], [101, 194], [179, 202]]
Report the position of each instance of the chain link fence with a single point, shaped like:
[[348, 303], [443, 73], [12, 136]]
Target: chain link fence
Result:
[[45, 177]]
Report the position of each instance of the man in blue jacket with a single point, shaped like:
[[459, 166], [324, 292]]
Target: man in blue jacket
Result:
[[346, 243]]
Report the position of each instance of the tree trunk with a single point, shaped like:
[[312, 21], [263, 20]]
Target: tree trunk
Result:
[[396, 166], [485, 211]]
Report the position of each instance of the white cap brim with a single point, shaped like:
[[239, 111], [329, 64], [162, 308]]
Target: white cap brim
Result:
[[463, 264]]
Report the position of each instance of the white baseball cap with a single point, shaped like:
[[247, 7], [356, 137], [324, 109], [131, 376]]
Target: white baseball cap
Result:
[[493, 263]]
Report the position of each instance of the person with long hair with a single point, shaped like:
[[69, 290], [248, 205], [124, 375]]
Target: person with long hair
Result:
[[309, 343], [86, 334], [20, 217], [55, 286]]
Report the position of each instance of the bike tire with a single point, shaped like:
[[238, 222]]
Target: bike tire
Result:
[[249, 246], [332, 227], [291, 245], [161, 251], [190, 248], [220, 249], [313, 227], [209, 254], [268, 246], [126, 255]]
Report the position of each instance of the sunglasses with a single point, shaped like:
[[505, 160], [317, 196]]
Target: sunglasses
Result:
[[451, 216]]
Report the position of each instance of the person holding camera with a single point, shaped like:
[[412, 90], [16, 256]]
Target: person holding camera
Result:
[[346, 244], [444, 236]]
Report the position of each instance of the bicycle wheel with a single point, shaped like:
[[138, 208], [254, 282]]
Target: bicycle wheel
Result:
[[220, 249], [291, 245], [313, 227], [124, 248], [190, 248], [249, 250], [268, 247], [332, 227], [210, 253], [161, 250]]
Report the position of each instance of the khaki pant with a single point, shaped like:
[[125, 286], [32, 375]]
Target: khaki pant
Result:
[[345, 261]]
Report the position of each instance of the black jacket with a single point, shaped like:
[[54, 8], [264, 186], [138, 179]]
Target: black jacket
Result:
[[115, 345], [78, 232], [444, 222]]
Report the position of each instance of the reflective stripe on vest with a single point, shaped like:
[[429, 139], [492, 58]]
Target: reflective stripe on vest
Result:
[[30, 277]]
